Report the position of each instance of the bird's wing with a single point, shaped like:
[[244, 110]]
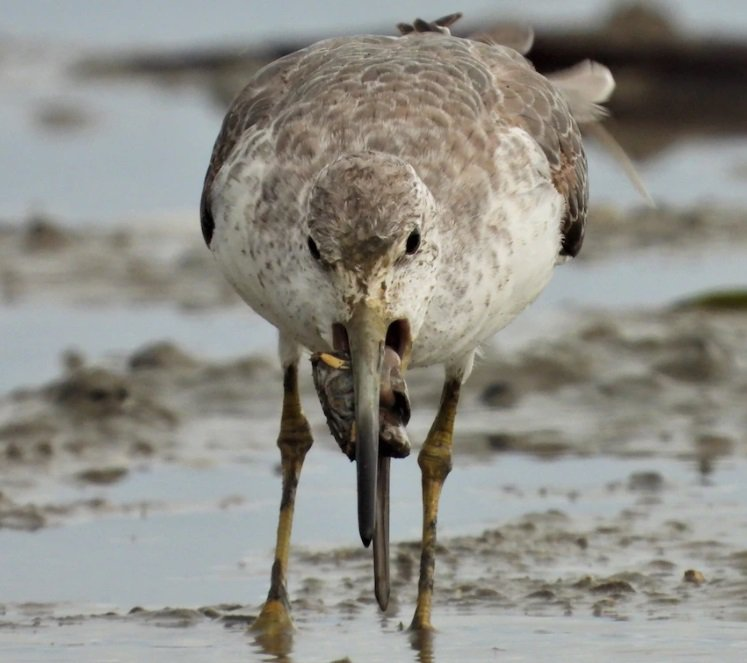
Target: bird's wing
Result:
[[273, 90], [528, 100], [252, 108], [585, 86]]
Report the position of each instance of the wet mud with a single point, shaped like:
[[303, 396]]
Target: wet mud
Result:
[[547, 565], [141, 262], [629, 384], [659, 385]]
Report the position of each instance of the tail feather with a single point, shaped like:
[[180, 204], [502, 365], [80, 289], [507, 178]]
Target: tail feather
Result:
[[608, 142], [585, 87], [518, 36]]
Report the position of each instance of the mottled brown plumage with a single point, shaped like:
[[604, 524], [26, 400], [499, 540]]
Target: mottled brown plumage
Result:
[[485, 79], [396, 201]]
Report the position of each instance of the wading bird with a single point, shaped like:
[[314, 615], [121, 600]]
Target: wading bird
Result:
[[397, 201]]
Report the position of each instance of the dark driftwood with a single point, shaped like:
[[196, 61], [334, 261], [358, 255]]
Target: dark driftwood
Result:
[[667, 85], [693, 81]]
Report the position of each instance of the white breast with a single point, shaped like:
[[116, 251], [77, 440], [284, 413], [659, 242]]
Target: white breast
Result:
[[500, 263]]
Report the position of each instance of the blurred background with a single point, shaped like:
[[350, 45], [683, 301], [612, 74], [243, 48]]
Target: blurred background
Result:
[[109, 109], [108, 113]]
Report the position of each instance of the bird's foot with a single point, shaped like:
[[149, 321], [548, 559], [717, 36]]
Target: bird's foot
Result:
[[273, 629], [274, 619], [421, 620]]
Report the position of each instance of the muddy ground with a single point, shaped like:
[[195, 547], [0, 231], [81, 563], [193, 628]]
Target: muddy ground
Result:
[[657, 386], [657, 383], [651, 399]]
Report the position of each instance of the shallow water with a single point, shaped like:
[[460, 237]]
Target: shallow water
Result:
[[223, 516], [35, 335], [182, 512], [486, 639], [646, 278]]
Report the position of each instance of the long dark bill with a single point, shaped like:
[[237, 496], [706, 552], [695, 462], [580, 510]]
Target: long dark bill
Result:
[[381, 535], [366, 334]]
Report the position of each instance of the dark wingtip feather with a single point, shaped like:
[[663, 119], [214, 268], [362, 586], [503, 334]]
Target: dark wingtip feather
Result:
[[439, 25], [206, 220], [573, 238], [448, 20]]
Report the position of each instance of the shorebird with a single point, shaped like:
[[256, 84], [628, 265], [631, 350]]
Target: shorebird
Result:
[[394, 197]]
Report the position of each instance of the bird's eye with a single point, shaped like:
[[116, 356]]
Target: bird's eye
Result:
[[413, 242], [314, 249]]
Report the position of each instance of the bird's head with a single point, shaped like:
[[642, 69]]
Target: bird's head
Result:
[[372, 236], [373, 239]]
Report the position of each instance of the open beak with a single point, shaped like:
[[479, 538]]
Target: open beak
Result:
[[366, 335]]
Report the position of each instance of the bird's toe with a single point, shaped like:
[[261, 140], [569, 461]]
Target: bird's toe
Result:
[[274, 619]]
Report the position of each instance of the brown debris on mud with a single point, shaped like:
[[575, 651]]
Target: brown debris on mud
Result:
[[539, 565], [136, 408]]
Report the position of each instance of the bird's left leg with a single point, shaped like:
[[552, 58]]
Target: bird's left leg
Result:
[[435, 463], [294, 441]]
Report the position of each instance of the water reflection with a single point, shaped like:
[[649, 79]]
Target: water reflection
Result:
[[276, 646], [422, 641]]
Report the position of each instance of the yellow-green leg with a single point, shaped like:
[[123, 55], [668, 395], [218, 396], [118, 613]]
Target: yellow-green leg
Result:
[[294, 441], [435, 465]]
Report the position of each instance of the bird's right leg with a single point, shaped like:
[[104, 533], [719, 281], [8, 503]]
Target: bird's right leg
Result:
[[294, 441], [435, 463]]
